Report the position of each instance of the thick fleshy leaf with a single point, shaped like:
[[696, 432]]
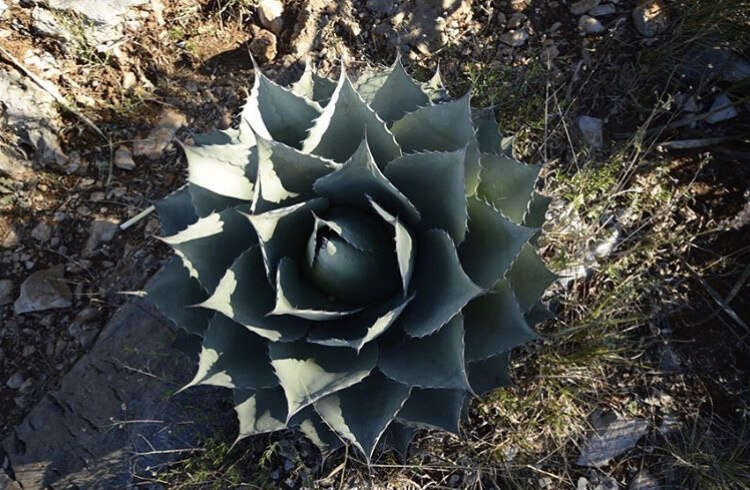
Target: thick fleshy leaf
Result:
[[227, 170], [219, 137], [397, 95], [281, 232], [355, 264], [313, 427], [433, 409], [286, 175], [313, 86], [233, 357], [529, 278], [494, 323], [490, 374], [440, 127], [442, 286], [176, 211], [308, 372], [343, 124], [295, 296], [172, 290], [404, 245], [434, 361], [245, 296], [360, 177], [491, 246], [507, 184], [276, 113], [535, 214], [488, 130], [357, 330], [398, 436], [260, 411], [210, 245], [207, 202], [434, 182], [434, 88], [362, 412]]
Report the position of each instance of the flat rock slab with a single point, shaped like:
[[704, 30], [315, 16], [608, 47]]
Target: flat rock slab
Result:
[[611, 440], [113, 416]]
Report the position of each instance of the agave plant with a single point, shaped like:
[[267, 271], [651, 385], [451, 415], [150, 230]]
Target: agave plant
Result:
[[357, 258]]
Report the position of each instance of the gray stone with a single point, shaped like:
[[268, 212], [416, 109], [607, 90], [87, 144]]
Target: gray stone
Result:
[[583, 6], [47, 146], [124, 159], [3, 8], [611, 440], [109, 422], [103, 18], [23, 103], [270, 14], [161, 135], [45, 23], [15, 381], [590, 25], [650, 17], [43, 290], [644, 481], [603, 10], [42, 232], [102, 231], [591, 130], [515, 38], [6, 291], [727, 113]]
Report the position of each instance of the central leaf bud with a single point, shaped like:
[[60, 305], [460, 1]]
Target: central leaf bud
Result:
[[351, 256]]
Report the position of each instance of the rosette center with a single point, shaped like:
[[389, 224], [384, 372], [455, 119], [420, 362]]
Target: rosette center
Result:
[[351, 257]]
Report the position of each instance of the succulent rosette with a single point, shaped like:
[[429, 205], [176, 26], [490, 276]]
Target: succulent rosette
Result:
[[357, 258]]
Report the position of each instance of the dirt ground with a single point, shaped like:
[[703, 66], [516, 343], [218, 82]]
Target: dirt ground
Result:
[[652, 224]]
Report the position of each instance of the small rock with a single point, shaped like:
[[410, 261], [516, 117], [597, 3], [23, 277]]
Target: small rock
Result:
[[590, 25], [124, 159], [602, 10], [515, 38], [650, 17], [6, 291], [42, 232], [380, 7], [161, 136], [516, 20], [728, 112], [583, 6], [3, 8], [102, 231], [583, 484], [43, 22], [263, 45], [47, 146], [270, 14], [43, 290], [611, 440], [644, 481], [128, 80], [591, 130], [15, 381]]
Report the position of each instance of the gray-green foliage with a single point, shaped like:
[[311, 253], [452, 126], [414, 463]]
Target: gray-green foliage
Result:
[[357, 258]]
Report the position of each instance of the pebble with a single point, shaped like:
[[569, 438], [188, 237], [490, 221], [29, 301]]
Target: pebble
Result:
[[128, 80], [3, 8], [590, 25], [602, 10], [650, 17], [42, 232], [6, 291], [15, 381], [724, 114], [583, 6], [591, 130], [162, 134], [43, 290], [124, 159], [515, 38], [263, 45], [270, 14], [102, 231]]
